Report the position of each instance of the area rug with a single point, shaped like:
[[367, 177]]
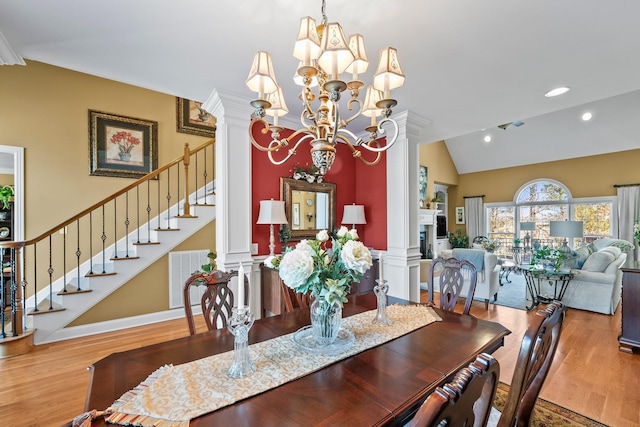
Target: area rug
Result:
[[513, 294], [547, 414]]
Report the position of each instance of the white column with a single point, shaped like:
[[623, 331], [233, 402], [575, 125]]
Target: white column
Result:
[[402, 261], [233, 187]]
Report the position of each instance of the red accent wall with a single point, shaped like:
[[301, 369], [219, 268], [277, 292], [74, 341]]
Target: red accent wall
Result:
[[355, 183]]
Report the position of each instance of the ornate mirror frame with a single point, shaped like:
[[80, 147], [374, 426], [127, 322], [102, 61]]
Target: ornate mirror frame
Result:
[[288, 185]]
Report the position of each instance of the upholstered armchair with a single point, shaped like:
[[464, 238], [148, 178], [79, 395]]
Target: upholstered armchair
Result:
[[486, 264]]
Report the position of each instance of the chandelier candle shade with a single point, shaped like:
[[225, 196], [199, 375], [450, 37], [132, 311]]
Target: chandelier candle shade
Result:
[[324, 53], [272, 212]]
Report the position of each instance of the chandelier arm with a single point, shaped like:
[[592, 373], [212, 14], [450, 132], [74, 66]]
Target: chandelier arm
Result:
[[290, 153], [358, 155], [356, 114], [390, 142], [274, 145]]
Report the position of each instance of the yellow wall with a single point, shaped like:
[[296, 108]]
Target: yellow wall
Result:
[[6, 179], [46, 110], [590, 176]]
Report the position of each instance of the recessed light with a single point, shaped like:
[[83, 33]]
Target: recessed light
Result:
[[557, 91], [487, 138], [587, 116]]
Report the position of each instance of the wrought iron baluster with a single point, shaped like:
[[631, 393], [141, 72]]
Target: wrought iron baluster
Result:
[[126, 225], [50, 271], [64, 259], [78, 254], [168, 199], [91, 242], [115, 229], [148, 212], [35, 278], [103, 237]]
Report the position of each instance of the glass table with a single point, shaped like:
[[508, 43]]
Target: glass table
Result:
[[541, 281]]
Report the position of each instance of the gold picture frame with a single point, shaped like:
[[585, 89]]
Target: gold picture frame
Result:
[[122, 146], [192, 119]]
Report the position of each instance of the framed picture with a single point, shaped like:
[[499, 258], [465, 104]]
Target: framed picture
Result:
[[422, 186], [460, 215], [192, 119], [122, 146], [296, 214]]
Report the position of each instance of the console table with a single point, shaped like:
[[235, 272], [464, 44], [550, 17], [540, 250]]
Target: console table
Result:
[[629, 339]]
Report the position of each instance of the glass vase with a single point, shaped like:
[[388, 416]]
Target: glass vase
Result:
[[326, 319]]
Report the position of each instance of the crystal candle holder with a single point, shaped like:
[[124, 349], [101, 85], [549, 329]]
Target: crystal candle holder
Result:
[[381, 294], [239, 324]]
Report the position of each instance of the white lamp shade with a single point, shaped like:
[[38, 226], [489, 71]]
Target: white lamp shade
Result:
[[278, 106], [527, 226], [369, 108], [570, 229], [389, 75], [336, 55], [261, 78], [353, 214], [272, 212], [360, 63], [307, 47]]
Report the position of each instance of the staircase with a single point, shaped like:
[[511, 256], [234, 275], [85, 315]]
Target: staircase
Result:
[[49, 325], [76, 264]]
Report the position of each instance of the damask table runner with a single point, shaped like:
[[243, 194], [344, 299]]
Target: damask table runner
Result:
[[173, 395]]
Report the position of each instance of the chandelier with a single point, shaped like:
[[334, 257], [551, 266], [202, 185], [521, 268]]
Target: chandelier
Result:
[[324, 54]]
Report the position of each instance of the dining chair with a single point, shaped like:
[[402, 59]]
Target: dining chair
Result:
[[536, 354], [451, 274], [294, 300], [464, 401], [216, 302]]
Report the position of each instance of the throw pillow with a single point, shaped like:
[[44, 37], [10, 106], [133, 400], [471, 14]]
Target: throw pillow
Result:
[[622, 244], [613, 250], [598, 261], [578, 257]]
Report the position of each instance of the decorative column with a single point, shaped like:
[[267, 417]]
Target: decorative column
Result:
[[233, 186], [402, 260]]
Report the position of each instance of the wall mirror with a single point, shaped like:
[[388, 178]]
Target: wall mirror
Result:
[[310, 207]]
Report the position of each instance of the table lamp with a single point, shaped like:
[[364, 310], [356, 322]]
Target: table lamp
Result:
[[566, 229], [353, 214], [527, 226], [272, 212]]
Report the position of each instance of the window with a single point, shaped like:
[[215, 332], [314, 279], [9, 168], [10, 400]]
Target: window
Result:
[[543, 201]]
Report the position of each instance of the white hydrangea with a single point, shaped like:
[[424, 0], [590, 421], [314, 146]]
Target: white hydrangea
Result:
[[303, 245], [354, 234], [296, 267], [356, 256]]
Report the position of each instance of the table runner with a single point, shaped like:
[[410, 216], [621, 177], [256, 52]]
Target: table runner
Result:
[[173, 395]]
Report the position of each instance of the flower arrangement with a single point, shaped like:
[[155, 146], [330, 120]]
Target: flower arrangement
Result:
[[491, 245], [326, 266], [636, 230], [309, 174], [125, 141], [549, 258]]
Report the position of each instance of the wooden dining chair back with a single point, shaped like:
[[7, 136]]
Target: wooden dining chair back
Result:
[[449, 272], [464, 401], [216, 302], [294, 300], [536, 354]]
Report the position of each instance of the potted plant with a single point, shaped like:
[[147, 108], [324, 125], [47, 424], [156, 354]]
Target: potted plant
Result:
[[516, 242], [459, 240], [6, 195]]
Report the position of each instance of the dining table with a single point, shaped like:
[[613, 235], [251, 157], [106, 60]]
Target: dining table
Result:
[[383, 385]]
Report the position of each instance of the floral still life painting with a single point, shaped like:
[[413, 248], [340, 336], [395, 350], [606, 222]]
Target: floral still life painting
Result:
[[122, 146]]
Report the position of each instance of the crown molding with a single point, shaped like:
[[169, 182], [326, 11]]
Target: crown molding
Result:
[[7, 55]]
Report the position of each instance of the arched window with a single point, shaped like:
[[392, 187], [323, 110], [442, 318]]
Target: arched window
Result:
[[536, 204]]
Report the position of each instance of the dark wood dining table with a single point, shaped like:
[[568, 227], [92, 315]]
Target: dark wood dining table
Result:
[[384, 385]]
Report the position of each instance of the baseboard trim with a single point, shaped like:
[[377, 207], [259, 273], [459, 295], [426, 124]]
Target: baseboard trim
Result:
[[117, 324]]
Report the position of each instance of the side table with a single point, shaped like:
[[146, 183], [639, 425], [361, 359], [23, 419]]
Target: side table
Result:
[[535, 276], [506, 268]]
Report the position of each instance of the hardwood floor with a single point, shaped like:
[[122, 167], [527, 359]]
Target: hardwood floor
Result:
[[47, 386]]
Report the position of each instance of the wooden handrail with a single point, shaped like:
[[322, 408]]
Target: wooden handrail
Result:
[[145, 178]]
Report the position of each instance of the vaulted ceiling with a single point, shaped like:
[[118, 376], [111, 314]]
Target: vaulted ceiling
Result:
[[470, 65]]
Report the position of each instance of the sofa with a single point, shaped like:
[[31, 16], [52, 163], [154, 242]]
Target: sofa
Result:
[[488, 278], [597, 279]]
